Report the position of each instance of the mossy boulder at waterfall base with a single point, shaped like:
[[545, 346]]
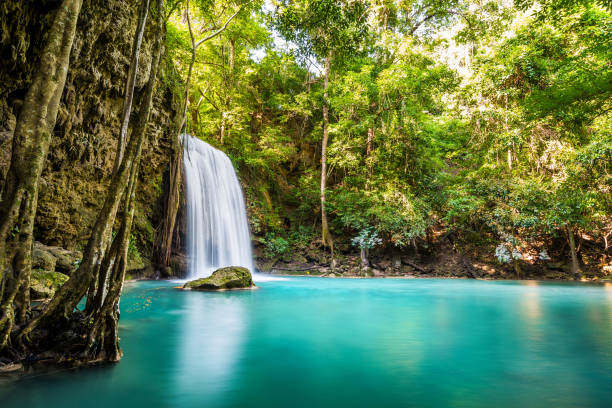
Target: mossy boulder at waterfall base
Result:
[[232, 277]]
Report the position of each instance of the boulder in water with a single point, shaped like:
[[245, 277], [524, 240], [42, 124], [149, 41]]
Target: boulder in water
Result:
[[232, 277]]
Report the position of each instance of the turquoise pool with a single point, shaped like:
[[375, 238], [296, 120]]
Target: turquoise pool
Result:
[[316, 342]]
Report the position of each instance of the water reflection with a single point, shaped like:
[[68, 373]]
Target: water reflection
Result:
[[532, 309], [213, 331], [608, 292]]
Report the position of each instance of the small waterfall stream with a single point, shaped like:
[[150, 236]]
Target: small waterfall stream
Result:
[[217, 226]]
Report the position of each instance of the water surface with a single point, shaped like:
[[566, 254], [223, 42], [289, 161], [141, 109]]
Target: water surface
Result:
[[315, 342]]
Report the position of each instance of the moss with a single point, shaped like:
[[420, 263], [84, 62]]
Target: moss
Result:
[[44, 284], [135, 260], [233, 277]]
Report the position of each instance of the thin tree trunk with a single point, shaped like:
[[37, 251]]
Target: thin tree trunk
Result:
[[125, 121], [573, 252], [507, 131], [368, 153], [129, 86], [165, 232], [515, 262], [103, 339], [30, 147], [232, 58], [509, 159], [162, 246], [325, 234], [364, 257]]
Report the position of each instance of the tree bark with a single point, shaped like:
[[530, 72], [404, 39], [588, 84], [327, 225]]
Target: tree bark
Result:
[[30, 147], [103, 336], [162, 249], [364, 257], [368, 153], [163, 240], [325, 234], [103, 339]]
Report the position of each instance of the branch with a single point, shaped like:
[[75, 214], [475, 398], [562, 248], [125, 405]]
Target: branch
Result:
[[420, 23], [219, 31], [171, 11]]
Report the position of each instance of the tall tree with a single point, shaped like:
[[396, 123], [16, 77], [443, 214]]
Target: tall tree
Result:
[[329, 31]]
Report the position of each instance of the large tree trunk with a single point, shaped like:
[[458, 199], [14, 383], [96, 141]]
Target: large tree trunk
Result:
[[30, 147], [326, 236], [67, 298]]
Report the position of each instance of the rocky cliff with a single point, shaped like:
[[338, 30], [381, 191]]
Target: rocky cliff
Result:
[[83, 147]]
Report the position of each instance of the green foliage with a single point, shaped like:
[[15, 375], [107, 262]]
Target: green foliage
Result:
[[134, 255], [301, 237], [367, 239], [275, 246], [344, 25], [511, 144]]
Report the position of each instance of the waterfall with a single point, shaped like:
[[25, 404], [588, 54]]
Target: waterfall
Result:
[[217, 226]]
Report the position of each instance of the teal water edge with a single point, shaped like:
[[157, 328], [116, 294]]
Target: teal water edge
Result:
[[315, 342]]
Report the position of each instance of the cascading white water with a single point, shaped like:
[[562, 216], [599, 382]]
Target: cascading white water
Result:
[[217, 225]]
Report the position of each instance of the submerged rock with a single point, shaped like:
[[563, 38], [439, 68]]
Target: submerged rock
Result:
[[232, 277], [44, 284]]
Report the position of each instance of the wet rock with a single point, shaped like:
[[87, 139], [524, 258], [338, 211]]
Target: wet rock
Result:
[[233, 277], [377, 273], [67, 261], [178, 265]]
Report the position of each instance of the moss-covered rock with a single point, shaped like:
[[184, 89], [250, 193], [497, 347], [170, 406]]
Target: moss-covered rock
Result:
[[55, 259], [44, 284], [232, 277], [43, 259]]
